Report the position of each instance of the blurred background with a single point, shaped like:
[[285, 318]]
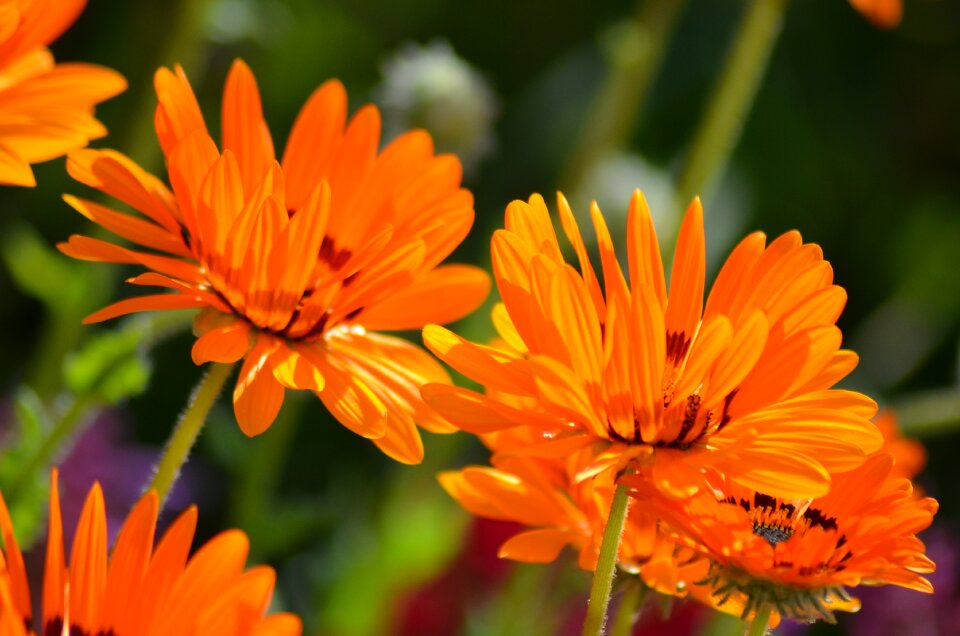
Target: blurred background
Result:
[[854, 139]]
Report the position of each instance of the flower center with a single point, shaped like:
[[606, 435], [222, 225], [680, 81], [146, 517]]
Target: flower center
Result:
[[772, 534]]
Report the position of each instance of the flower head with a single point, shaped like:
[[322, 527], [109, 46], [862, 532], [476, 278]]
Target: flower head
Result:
[[799, 555], [296, 264], [142, 589], [46, 108], [659, 379]]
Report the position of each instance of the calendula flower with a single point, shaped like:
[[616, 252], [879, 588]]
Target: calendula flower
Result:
[[298, 264], [885, 14], [142, 589], [799, 555], [909, 455], [658, 380], [46, 108]]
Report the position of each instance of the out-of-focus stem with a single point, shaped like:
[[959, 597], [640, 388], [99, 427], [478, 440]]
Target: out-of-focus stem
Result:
[[187, 430], [183, 44], [929, 413], [719, 129], [606, 565], [760, 620], [631, 605], [155, 328], [62, 431], [634, 51]]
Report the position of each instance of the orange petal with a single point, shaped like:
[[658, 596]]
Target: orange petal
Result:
[[440, 296], [129, 561], [258, 396], [314, 140], [178, 113], [685, 302], [145, 303], [88, 564], [278, 625], [133, 229], [536, 546], [244, 130], [166, 566], [55, 570], [223, 344], [121, 178], [643, 249], [15, 569], [216, 566]]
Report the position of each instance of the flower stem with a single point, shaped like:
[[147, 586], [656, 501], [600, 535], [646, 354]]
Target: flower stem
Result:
[[719, 129], [606, 565], [631, 604], [634, 49], [187, 429], [64, 430], [758, 627]]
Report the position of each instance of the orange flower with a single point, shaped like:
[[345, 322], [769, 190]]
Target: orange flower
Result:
[[142, 590], [295, 263], [542, 493], [909, 455], [798, 555], [885, 14], [46, 108], [659, 380]]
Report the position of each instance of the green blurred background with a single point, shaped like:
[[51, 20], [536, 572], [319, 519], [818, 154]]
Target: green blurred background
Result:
[[854, 139]]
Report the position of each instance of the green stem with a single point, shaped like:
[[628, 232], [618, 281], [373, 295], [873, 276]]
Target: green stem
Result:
[[183, 43], [606, 565], [634, 50], [733, 95], [758, 627], [187, 429], [64, 430], [631, 603]]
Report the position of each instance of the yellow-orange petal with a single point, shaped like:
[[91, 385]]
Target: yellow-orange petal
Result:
[[14, 169]]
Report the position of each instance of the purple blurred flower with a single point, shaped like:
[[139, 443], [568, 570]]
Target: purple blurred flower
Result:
[[894, 611]]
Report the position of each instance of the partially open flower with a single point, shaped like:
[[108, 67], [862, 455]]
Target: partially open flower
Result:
[[296, 264], [142, 589], [46, 109]]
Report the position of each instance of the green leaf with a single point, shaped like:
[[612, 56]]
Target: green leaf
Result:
[[111, 365], [45, 274]]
